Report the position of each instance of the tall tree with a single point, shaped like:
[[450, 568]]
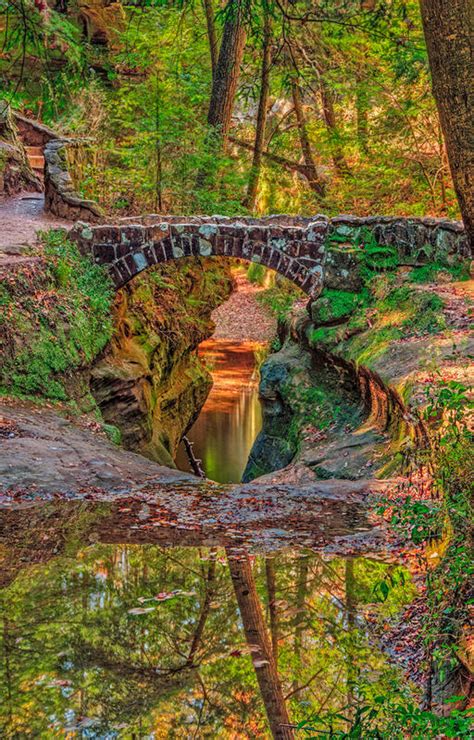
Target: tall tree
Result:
[[315, 182], [449, 33], [211, 33], [252, 188], [226, 77]]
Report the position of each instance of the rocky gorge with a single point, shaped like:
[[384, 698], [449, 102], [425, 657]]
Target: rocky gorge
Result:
[[94, 381]]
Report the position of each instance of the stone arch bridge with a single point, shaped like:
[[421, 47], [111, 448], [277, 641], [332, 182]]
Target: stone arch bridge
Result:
[[297, 248], [294, 248]]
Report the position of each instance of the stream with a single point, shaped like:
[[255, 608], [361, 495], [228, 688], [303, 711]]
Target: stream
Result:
[[231, 418]]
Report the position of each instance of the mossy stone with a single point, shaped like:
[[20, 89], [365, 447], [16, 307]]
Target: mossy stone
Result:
[[334, 306]]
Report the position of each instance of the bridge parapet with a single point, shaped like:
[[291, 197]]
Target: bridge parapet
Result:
[[308, 251], [292, 247]]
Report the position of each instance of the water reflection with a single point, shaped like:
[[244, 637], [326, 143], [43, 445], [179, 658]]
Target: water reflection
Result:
[[142, 641], [231, 417]]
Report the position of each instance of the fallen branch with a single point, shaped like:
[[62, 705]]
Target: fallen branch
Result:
[[194, 462], [288, 164]]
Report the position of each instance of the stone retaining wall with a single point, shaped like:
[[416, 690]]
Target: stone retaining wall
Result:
[[416, 239], [33, 133], [15, 170], [60, 195]]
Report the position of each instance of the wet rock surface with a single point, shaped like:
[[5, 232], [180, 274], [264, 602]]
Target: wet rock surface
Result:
[[46, 459]]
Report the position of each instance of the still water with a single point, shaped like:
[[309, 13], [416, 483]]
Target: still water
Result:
[[145, 641], [231, 418]]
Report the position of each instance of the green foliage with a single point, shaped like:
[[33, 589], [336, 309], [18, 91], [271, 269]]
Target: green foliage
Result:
[[432, 272], [143, 92], [449, 406], [372, 344], [55, 336], [280, 298], [82, 276], [317, 406], [256, 273], [375, 257], [113, 433], [444, 521], [422, 311], [385, 715], [324, 335], [333, 305], [422, 520]]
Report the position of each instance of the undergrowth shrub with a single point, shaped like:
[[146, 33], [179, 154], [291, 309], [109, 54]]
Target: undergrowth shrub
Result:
[[280, 298]]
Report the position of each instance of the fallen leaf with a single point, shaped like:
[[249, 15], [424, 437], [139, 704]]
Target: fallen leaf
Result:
[[142, 609]]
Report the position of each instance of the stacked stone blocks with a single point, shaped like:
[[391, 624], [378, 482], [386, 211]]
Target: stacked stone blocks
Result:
[[295, 251], [300, 249]]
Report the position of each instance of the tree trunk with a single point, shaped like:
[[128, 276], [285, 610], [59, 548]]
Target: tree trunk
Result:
[[262, 113], [263, 660], [351, 605], [313, 177], [329, 115], [211, 34], [449, 34], [272, 607], [362, 107], [226, 78]]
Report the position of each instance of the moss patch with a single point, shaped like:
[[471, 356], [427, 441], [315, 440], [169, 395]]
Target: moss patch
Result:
[[438, 271], [385, 314], [334, 306], [55, 319]]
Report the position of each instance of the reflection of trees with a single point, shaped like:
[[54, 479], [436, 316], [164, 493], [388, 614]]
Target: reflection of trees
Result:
[[206, 606], [351, 605], [118, 666], [272, 604], [302, 568], [68, 642], [260, 646]]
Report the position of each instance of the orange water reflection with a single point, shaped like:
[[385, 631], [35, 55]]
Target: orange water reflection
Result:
[[231, 417]]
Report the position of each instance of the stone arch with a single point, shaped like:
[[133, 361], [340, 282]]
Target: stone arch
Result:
[[292, 247], [295, 247]]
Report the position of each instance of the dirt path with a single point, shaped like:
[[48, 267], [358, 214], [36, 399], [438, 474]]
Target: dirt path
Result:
[[21, 218], [243, 317], [458, 299]]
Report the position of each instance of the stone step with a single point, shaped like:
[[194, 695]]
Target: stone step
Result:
[[35, 158], [36, 163]]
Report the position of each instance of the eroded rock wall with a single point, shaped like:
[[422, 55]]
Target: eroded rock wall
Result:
[[151, 383]]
